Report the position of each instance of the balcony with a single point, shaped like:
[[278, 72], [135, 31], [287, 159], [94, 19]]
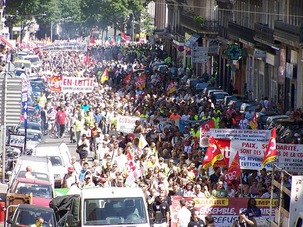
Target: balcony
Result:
[[207, 27], [176, 30], [264, 34], [238, 31], [226, 4], [288, 33]]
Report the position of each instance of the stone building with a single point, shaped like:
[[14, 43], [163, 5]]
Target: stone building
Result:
[[256, 44]]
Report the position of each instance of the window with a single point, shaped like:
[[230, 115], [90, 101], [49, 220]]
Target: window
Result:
[[114, 211]]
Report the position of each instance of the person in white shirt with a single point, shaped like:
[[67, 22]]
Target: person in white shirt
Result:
[[76, 165], [183, 217], [120, 159], [243, 124]]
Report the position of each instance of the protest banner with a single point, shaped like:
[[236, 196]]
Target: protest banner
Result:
[[224, 210], [66, 46], [126, 124], [166, 123], [252, 153], [241, 134], [74, 84], [55, 83], [71, 84]]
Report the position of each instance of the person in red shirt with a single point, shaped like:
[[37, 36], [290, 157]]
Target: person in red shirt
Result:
[[60, 120]]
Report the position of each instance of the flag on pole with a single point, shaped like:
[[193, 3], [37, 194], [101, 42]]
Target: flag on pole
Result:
[[141, 81], [123, 37], [127, 79], [270, 154], [235, 166], [207, 125], [104, 76], [142, 142], [171, 87], [253, 122], [212, 154]]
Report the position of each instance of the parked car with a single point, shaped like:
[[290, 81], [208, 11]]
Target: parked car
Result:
[[229, 99], [25, 214], [270, 121], [201, 86], [219, 95], [60, 157], [33, 130], [41, 190], [263, 116], [41, 166], [211, 92], [247, 106]]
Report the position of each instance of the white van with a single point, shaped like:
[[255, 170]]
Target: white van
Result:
[[42, 169], [60, 158], [114, 207], [109, 207]]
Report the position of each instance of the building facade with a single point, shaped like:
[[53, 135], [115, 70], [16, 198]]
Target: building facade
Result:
[[266, 34]]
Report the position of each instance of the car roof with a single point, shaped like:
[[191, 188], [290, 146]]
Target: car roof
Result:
[[35, 207], [89, 193], [220, 92], [33, 181]]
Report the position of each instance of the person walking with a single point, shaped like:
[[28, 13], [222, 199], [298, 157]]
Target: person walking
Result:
[[160, 213], [195, 221], [61, 121], [183, 217]]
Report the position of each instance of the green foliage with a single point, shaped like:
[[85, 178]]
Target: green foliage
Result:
[[199, 19], [146, 24]]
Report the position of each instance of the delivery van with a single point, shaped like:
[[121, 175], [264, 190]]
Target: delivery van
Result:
[[103, 207]]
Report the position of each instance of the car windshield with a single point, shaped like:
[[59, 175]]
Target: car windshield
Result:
[[28, 216], [31, 126], [38, 190], [37, 175], [117, 211], [55, 160], [34, 60]]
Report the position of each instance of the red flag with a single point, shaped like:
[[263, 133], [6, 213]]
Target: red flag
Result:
[[253, 122], [141, 81], [126, 79], [270, 154], [212, 154], [205, 126], [112, 41], [123, 37], [234, 171], [92, 40], [171, 87], [130, 164], [87, 59]]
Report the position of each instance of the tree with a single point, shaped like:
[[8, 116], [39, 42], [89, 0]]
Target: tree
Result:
[[146, 24], [109, 12]]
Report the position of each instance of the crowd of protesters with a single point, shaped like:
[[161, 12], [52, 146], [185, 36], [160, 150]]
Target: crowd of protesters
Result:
[[171, 163]]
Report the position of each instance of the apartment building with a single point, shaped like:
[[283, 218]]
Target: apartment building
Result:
[[264, 37]]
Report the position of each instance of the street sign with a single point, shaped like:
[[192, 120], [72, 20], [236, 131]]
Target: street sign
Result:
[[200, 54], [234, 52], [201, 49], [200, 60]]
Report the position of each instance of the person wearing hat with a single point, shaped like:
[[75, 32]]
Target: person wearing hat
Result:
[[88, 182], [70, 178]]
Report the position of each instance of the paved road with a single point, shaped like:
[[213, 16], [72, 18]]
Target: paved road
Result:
[[71, 146]]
